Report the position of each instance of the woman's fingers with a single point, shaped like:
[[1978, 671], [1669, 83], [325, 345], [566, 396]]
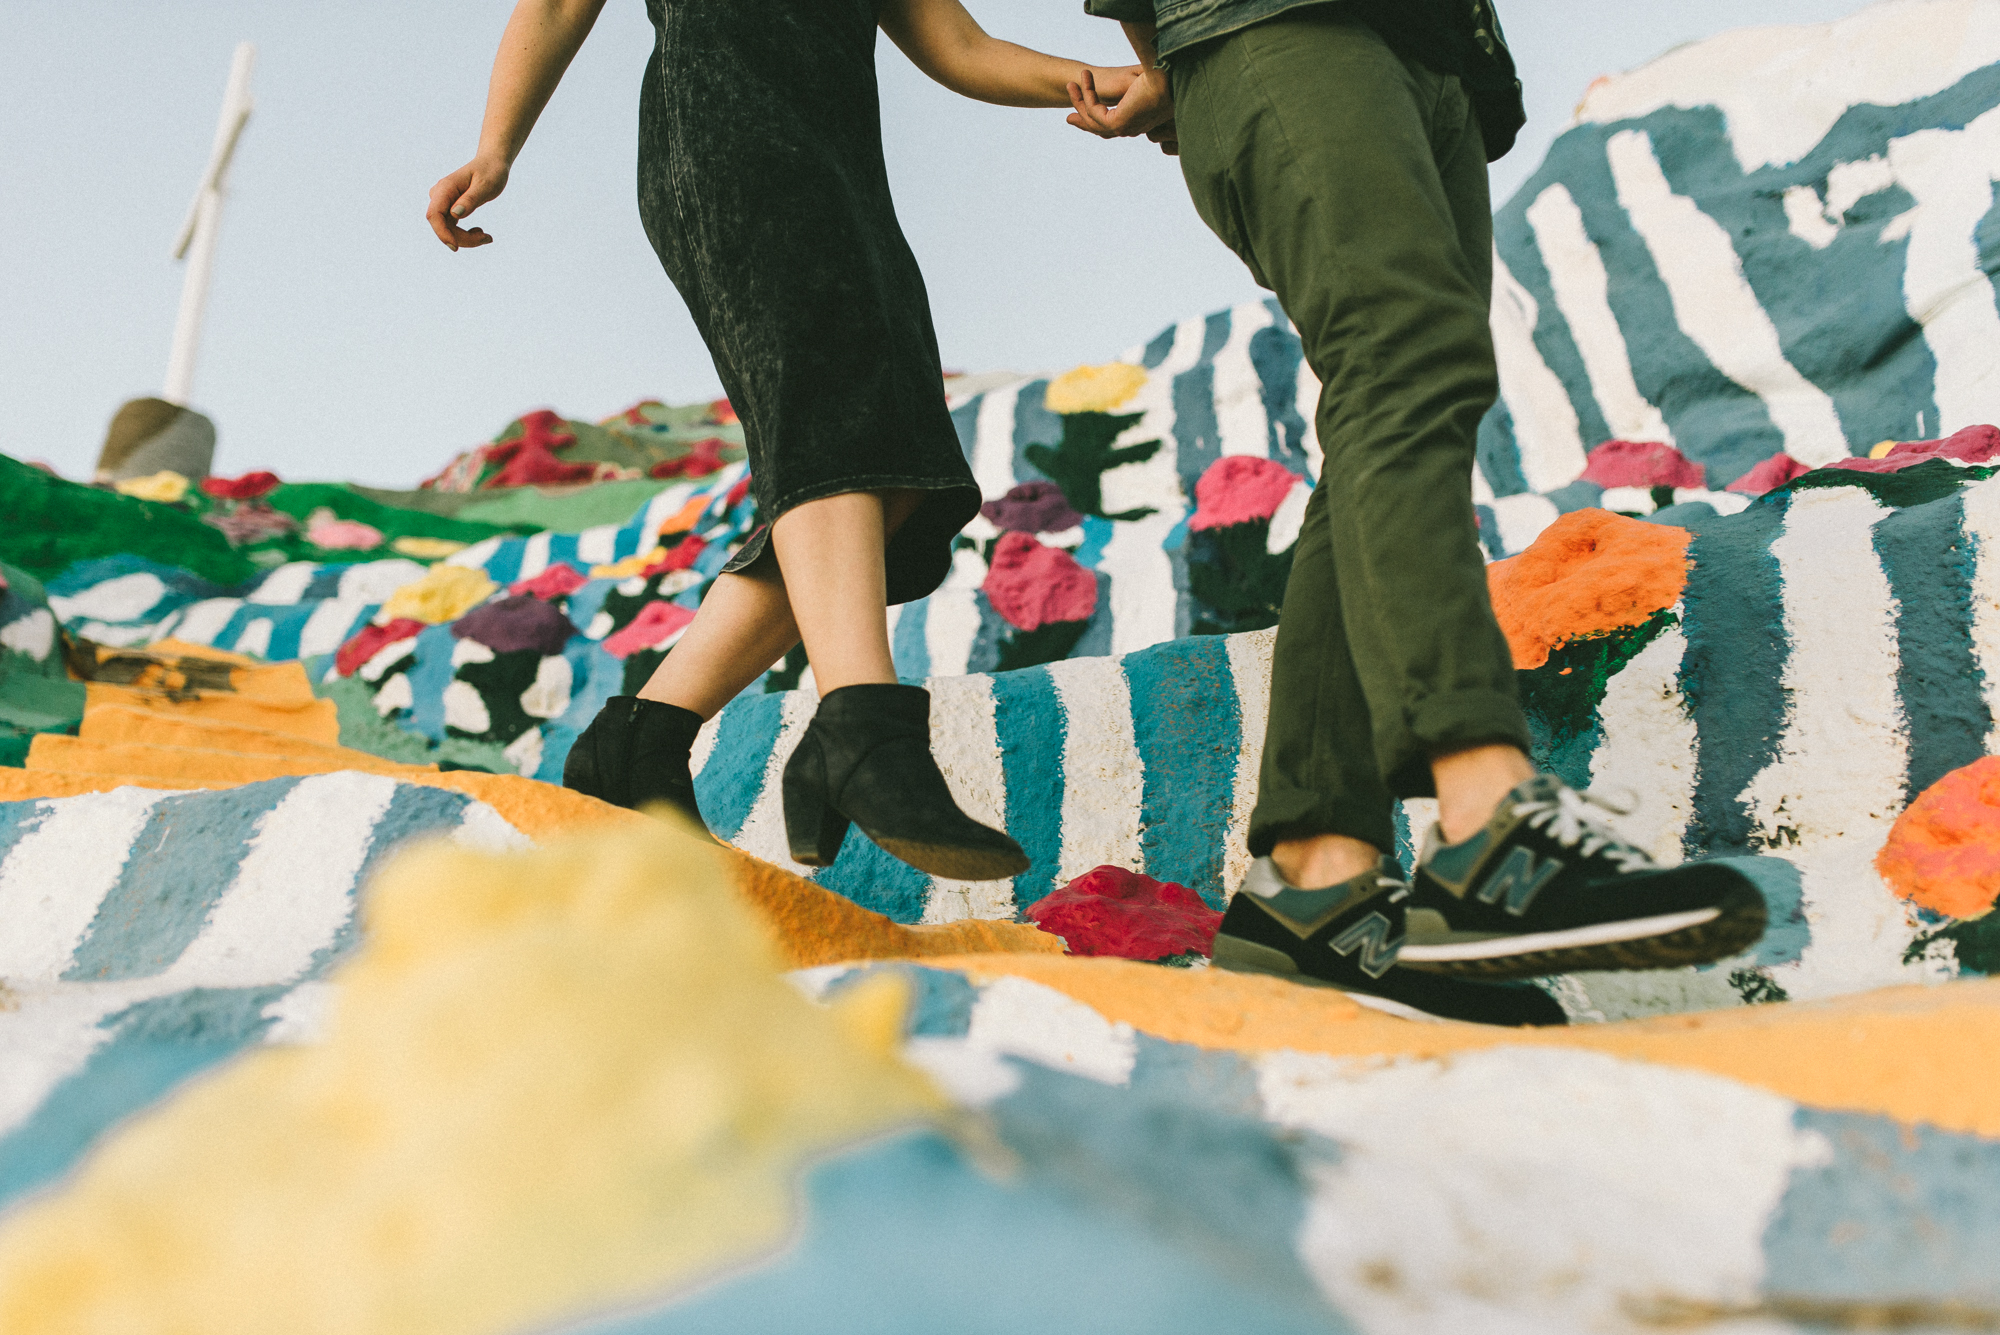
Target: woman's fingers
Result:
[[455, 197], [1090, 114]]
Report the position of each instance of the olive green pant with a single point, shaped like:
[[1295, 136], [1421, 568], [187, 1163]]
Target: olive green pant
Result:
[[1354, 186]]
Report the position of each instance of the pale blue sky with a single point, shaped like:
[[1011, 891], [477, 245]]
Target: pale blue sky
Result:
[[344, 342]]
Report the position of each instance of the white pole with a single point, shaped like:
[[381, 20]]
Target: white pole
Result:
[[196, 242]]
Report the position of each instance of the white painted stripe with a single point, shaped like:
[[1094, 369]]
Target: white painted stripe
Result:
[[597, 545], [374, 581], [1184, 353], [1521, 519], [1545, 426], [993, 441], [535, 557], [56, 876], [1144, 603], [1713, 303], [1827, 801], [1649, 747], [1250, 673], [484, 830], [704, 744], [1242, 424], [254, 638], [1982, 527], [1024, 1019], [763, 832], [1950, 173], [951, 627], [1465, 1178], [125, 598], [664, 505], [203, 621], [295, 887], [328, 625], [1583, 295], [476, 556], [965, 740], [285, 585], [1103, 776]]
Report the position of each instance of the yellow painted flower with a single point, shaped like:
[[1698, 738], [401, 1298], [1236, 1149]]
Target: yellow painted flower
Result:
[[1882, 448], [445, 593], [1094, 389], [165, 485], [630, 566], [426, 549]]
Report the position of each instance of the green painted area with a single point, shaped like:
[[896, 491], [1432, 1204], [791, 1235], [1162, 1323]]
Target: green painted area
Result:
[[365, 730], [300, 499], [1561, 697], [563, 511], [51, 524], [36, 694], [1078, 462]]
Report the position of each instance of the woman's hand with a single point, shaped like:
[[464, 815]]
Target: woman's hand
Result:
[[1114, 81], [457, 195]]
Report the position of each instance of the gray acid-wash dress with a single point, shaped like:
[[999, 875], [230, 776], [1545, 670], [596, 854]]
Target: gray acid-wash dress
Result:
[[763, 190]]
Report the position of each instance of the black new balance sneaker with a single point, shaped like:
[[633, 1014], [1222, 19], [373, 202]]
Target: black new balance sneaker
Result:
[[1347, 936], [1543, 889]]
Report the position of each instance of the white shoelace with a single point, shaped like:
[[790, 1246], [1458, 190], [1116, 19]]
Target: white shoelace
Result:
[[1567, 820]]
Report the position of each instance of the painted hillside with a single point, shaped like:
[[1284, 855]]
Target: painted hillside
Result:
[[323, 1008]]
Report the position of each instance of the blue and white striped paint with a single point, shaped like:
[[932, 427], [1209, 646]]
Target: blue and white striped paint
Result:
[[149, 934]]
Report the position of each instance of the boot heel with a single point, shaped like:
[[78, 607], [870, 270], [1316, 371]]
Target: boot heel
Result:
[[813, 829]]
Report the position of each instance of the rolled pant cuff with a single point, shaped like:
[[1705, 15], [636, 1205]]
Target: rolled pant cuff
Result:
[[1458, 723]]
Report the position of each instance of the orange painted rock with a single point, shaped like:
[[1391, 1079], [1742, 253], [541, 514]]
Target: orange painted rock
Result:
[[1590, 572], [1943, 852]]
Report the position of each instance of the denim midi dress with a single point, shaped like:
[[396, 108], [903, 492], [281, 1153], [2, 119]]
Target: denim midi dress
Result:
[[763, 190]]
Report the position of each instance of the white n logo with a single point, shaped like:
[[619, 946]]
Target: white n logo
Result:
[[1371, 937], [1518, 880]]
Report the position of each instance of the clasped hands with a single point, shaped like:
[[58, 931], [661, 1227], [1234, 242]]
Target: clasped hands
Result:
[[1147, 107]]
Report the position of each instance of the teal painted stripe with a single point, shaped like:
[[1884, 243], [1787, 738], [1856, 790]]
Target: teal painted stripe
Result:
[[156, 1046], [728, 785], [182, 861], [415, 811], [1032, 732], [1189, 734], [876, 881]]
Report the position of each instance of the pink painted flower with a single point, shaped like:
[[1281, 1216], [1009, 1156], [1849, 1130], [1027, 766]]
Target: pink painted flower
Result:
[[558, 581], [1032, 585], [655, 625], [1773, 473], [372, 640], [349, 535], [1239, 488], [1641, 463]]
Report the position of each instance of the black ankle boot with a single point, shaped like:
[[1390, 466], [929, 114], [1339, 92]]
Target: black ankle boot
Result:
[[634, 752], [866, 758]]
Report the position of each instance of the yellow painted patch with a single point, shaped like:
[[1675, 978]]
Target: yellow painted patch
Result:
[[632, 565], [426, 549], [554, 1080], [165, 485], [1917, 1054], [1881, 448], [1094, 389], [445, 593]]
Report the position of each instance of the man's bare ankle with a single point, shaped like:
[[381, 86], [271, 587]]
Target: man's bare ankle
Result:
[[1318, 861]]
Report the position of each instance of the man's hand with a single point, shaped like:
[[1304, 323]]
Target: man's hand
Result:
[[457, 195], [1146, 108]]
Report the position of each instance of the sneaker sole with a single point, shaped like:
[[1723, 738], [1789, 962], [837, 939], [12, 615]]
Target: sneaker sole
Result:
[[1239, 956], [1668, 941]]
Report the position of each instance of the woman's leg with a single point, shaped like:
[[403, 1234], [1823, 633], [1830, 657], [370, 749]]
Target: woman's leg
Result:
[[829, 584]]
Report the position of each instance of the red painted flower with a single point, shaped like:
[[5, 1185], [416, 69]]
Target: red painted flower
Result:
[[704, 457], [1032, 585], [655, 625], [1111, 911], [372, 640], [529, 458], [721, 413], [1773, 473], [1240, 488], [246, 488], [1641, 463], [558, 581]]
